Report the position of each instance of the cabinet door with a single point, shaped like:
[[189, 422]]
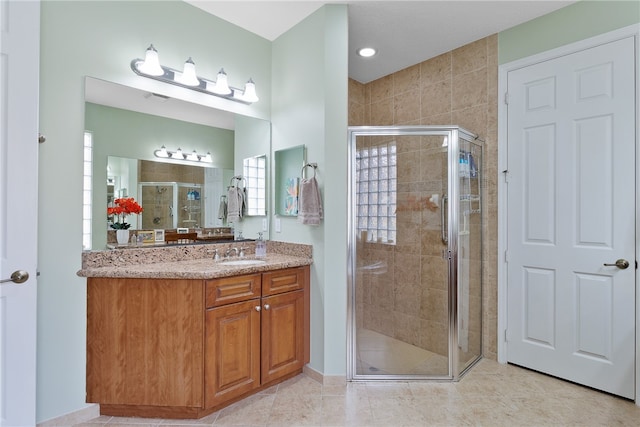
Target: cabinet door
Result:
[[282, 335], [232, 351]]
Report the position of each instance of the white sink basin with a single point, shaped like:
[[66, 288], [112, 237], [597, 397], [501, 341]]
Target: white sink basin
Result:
[[244, 262]]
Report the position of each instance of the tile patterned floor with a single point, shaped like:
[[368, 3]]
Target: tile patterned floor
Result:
[[490, 395]]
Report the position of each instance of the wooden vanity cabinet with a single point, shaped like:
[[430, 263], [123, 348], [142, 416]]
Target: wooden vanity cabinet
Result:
[[256, 342], [177, 348], [145, 346]]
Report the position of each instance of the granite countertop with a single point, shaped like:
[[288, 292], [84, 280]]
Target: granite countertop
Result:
[[183, 262], [205, 268]]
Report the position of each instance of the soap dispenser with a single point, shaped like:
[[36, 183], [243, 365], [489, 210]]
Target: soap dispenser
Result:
[[261, 247]]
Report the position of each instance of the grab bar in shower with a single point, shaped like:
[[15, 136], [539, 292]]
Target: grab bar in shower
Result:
[[443, 210]]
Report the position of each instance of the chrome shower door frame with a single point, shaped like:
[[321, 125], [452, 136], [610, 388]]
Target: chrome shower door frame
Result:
[[453, 135]]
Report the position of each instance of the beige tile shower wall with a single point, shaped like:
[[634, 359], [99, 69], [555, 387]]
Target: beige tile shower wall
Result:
[[458, 87]]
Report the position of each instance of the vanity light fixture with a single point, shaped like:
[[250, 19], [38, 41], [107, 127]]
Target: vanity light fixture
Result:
[[187, 78], [151, 64], [179, 155]]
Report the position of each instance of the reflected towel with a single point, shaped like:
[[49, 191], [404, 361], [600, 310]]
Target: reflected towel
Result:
[[309, 202], [222, 210], [235, 201], [244, 201]]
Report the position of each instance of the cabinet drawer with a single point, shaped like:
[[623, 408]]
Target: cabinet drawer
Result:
[[279, 281], [228, 290]]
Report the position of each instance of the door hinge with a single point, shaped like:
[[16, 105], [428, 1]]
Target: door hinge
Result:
[[505, 173], [506, 98], [506, 336], [506, 256]]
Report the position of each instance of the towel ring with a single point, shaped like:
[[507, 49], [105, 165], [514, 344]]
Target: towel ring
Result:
[[309, 165], [238, 178]]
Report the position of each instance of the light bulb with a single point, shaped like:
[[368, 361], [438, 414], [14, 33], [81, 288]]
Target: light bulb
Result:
[[162, 152], [193, 156], [178, 155], [249, 94], [188, 76], [151, 64], [207, 158], [367, 52], [221, 87]]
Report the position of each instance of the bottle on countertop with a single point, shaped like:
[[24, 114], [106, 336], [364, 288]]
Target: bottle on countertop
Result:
[[261, 247]]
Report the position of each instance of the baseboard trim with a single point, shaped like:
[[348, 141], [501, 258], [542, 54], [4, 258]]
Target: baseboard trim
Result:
[[76, 417], [328, 380]]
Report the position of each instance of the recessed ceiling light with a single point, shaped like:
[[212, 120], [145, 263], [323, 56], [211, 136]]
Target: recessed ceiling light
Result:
[[367, 52]]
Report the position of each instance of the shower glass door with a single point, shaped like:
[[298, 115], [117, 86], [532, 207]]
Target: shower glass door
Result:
[[403, 307]]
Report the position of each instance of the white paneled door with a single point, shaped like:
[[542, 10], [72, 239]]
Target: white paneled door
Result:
[[19, 73], [571, 216]]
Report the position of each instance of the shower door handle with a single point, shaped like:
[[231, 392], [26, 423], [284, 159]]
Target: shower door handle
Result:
[[443, 210]]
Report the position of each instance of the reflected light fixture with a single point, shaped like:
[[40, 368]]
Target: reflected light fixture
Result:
[[163, 153], [187, 78], [178, 154]]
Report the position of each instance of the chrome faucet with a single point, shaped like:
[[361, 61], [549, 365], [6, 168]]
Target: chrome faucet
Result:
[[241, 254], [228, 252], [216, 256]]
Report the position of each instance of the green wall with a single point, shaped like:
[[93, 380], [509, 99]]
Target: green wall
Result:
[[134, 135], [310, 64], [99, 39], [570, 24]]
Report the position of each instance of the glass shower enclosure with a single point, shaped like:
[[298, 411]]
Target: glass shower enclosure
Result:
[[415, 252]]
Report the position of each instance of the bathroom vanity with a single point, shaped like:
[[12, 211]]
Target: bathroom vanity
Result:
[[183, 338]]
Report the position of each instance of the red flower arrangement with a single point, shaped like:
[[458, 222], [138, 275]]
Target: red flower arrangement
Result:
[[122, 208]]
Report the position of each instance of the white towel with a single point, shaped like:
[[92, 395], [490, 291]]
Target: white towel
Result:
[[309, 202], [235, 201]]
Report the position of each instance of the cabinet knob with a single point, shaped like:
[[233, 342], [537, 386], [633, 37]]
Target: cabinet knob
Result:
[[267, 306], [258, 308]]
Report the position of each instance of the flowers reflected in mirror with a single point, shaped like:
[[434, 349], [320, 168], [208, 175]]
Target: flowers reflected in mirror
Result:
[[118, 213]]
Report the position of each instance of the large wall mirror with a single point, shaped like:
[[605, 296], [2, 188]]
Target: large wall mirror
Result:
[[126, 126]]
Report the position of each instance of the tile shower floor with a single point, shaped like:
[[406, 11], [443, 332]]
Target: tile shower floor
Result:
[[379, 355], [490, 395]]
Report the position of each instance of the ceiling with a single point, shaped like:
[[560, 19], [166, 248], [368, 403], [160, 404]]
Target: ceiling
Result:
[[404, 32]]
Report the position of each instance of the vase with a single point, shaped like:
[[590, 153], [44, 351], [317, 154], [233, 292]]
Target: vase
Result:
[[122, 236]]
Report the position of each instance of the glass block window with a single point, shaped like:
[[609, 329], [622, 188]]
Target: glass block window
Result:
[[254, 170], [87, 188], [376, 193]]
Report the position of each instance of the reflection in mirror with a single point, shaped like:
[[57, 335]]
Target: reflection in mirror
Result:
[[185, 201], [254, 172], [288, 165], [128, 123]]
